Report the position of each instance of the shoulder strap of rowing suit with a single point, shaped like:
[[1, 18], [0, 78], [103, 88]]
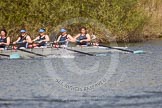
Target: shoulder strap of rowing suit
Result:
[[66, 36], [2, 38], [83, 35], [42, 37], [23, 38], [5, 39], [45, 36]]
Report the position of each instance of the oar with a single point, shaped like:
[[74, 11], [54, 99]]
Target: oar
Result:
[[85, 53], [73, 49], [12, 56], [23, 50], [5, 55], [89, 54], [126, 50], [60, 43]]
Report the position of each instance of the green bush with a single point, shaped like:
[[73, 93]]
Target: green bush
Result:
[[123, 18]]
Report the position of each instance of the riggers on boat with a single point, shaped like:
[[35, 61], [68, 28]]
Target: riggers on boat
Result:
[[51, 51], [57, 52]]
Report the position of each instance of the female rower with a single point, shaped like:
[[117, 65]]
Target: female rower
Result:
[[23, 40], [4, 40], [42, 39], [94, 40], [83, 38], [64, 38]]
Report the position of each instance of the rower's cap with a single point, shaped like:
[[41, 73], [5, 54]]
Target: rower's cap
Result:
[[63, 30], [22, 31], [42, 30]]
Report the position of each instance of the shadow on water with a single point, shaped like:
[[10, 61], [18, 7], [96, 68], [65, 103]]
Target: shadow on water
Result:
[[148, 98]]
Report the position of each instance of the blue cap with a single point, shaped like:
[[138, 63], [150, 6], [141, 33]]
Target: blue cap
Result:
[[42, 30], [63, 30], [22, 31]]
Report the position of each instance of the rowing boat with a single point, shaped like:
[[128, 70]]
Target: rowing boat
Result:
[[57, 52]]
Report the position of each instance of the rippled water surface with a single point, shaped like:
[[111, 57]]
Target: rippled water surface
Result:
[[119, 80]]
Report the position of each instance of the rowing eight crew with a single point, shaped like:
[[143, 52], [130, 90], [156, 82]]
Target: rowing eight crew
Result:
[[25, 41]]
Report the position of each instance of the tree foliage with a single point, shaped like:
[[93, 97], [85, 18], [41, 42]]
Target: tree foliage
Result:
[[125, 19]]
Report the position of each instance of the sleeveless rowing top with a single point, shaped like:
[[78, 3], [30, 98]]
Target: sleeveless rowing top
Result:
[[22, 38], [41, 38], [21, 43], [42, 43], [82, 37], [63, 39], [3, 39]]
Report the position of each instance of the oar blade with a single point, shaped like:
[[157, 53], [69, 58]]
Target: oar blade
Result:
[[101, 55], [139, 52], [15, 56]]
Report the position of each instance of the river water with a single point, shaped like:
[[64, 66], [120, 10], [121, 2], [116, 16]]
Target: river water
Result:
[[119, 80]]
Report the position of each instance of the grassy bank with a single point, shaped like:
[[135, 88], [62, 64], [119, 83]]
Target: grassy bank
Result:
[[153, 10], [121, 20]]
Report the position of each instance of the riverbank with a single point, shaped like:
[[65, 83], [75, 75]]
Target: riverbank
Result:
[[138, 39]]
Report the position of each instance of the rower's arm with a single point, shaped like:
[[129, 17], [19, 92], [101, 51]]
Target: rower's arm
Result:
[[70, 38], [36, 38], [75, 38], [47, 38], [16, 41], [58, 39], [28, 39], [8, 41], [86, 40]]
